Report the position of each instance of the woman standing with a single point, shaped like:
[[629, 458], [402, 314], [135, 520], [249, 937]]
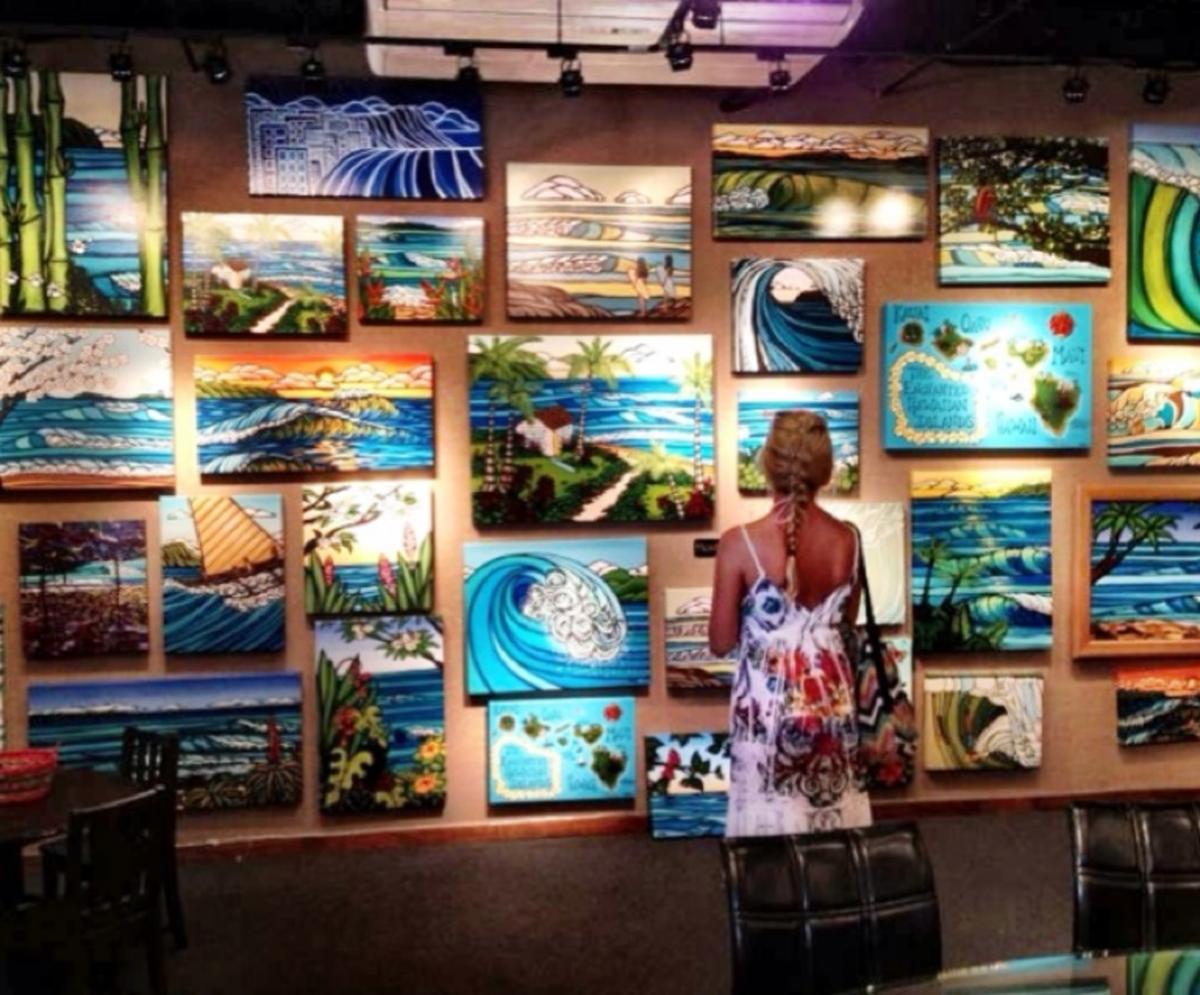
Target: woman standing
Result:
[[637, 279]]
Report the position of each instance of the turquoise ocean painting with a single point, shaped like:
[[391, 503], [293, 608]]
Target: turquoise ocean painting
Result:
[[687, 783], [758, 408]]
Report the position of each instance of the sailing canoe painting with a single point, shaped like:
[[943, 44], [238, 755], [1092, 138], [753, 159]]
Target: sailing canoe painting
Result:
[[611, 242], [223, 580], [979, 722], [1023, 211], [757, 410], [393, 139], [239, 734], [83, 588], [781, 182], [86, 408], [600, 429], [690, 663], [1158, 705], [687, 783], [83, 231], [556, 615], [381, 703], [1153, 413], [981, 563], [333, 413], [419, 269]]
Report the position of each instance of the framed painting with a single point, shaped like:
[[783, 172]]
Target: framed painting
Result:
[[797, 315], [239, 734], [84, 409], [561, 750], [381, 702], [757, 409], [687, 783], [556, 615], [600, 429], [295, 413], [370, 137], [1158, 705], [967, 376], [604, 242], [1023, 211], [419, 269], [976, 722], [223, 573], [368, 549], [794, 182], [883, 526], [690, 663], [1153, 413]]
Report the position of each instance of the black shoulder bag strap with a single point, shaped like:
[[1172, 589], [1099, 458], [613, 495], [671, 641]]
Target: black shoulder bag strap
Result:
[[874, 636]]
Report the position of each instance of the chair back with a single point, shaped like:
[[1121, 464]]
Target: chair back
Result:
[[821, 913], [149, 759]]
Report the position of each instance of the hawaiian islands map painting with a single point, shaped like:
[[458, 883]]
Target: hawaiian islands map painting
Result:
[[556, 615], [987, 376], [687, 783], [285, 413], [757, 409], [83, 192], [86, 408], [1153, 413], [690, 663], [782, 182], [983, 722], [393, 139], [1158, 705], [600, 429], [611, 242], [561, 750]]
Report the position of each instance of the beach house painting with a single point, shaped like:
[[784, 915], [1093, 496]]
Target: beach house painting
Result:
[[687, 783], [1153, 413], [976, 722], [690, 663], [757, 410], [1158, 704]]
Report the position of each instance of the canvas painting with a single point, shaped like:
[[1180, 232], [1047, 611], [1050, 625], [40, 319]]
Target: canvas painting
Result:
[[792, 182], [561, 750], [223, 580], [610, 242], [556, 615], [1159, 972], [369, 137], [987, 376], [981, 568], [83, 588], [419, 269], [263, 274], [690, 663], [1153, 413], [1158, 705], [368, 549], [899, 649], [687, 783], [883, 526], [798, 315], [84, 226], [239, 733], [381, 703], [757, 409], [983, 722], [288, 413], [86, 408], [599, 429], [1023, 211]]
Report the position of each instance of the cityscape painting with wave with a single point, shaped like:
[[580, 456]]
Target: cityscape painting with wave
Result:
[[687, 783], [269, 414], [556, 615], [223, 581], [757, 409], [690, 663], [983, 722], [981, 563], [1158, 705], [86, 408], [394, 139], [1153, 413], [611, 242], [239, 734]]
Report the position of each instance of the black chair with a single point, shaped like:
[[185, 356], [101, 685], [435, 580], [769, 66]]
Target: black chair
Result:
[[822, 913], [1137, 876]]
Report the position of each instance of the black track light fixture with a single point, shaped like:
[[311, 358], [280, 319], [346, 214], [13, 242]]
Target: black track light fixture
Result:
[[216, 64], [780, 78], [312, 69], [1075, 88], [570, 77], [16, 61], [468, 71], [120, 65], [1156, 88], [706, 13], [679, 52]]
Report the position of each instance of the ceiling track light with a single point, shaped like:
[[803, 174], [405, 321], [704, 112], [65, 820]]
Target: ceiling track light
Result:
[[312, 69], [570, 77], [15, 61], [1075, 88], [679, 52], [468, 70], [1156, 89], [706, 13], [216, 64], [780, 78]]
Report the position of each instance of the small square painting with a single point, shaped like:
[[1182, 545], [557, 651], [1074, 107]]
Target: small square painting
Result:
[[1153, 413], [982, 722], [690, 663], [687, 784], [1158, 705], [757, 410]]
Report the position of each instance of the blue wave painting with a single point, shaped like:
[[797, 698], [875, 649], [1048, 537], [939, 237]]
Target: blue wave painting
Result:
[[364, 138], [556, 616], [756, 411], [687, 784]]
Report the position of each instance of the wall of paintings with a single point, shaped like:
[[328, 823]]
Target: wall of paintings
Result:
[[392, 514]]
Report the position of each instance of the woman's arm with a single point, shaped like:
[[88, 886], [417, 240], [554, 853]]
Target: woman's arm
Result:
[[725, 616]]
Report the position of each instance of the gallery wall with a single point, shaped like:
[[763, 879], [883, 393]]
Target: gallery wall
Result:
[[660, 127]]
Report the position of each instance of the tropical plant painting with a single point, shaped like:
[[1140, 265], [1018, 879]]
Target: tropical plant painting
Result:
[[757, 410], [368, 549], [339, 413], [561, 750], [223, 580], [611, 242], [1023, 211], [690, 663], [782, 182], [981, 566], [1158, 705], [86, 408], [556, 615], [883, 526], [983, 722], [381, 704], [419, 269], [83, 195], [960, 376], [371, 137], [595, 429], [239, 734], [1153, 413], [687, 783], [83, 588]]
